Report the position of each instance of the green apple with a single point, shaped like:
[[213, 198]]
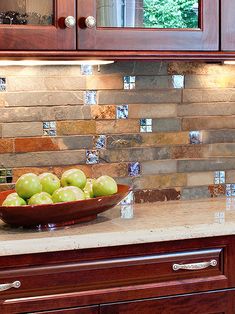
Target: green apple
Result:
[[88, 189], [79, 194], [104, 185], [74, 177], [13, 200], [50, 182], [28, 185], [40, 198], [63, 195]]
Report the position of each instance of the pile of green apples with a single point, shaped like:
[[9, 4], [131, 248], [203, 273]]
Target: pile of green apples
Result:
[[47, 188]]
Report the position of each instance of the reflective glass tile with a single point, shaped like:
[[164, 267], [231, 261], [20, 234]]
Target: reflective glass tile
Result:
[[178, 81], [9, 179], [86, 69], [129, 199], [134, 169], [219, 177], [129, 82], [3, 84], [146, 125], [3, 180], [3, 172], [100, 141], [122, 112], [49, 128], [127, 211], [92, 157], [90, 97], [195, 137]]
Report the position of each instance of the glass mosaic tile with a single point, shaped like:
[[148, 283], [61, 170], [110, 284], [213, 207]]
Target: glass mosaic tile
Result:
[[230, 203], [6, 175], [134, 169], [230, 190], [100, 141], [219, 217], [178, 81], [86, 69], [129, 82], [92, 157], [90, 97], [122, 112], [195, 137], [3, 84], [49, 128], [127, 211], [129, 199], [219, 177], [146, 125]]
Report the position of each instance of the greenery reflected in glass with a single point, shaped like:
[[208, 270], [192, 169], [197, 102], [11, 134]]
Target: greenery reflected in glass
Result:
[[148, 13], [171, 13]]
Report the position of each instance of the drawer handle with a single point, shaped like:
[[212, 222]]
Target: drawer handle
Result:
[[6, 286], [195, 266]]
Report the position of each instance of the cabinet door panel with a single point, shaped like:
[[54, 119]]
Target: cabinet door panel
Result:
[[77, 310], [123, 28], [202, 303], [228, 25], [36, 25]]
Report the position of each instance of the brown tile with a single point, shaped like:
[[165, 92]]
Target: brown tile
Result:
[[6, 187], [160, 181], [207, 123], [117, 126], [139, 96], [217, 190], [23, 145], [210, 81], [138, 111], [113, 170], [190, 151], [75, 127], [196, 192], [103, 112], [207, 109], [200, 178], [144, 196], [230, 176], [22, 129], [166, 125], [177, 138], [97, 82], [209, 95], [198, 68], [6, 146]]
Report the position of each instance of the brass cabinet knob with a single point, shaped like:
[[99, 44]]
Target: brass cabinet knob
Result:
[[90, 22], [70, 21]]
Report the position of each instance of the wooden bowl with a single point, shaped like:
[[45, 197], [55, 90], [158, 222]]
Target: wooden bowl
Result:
[[59, 214]]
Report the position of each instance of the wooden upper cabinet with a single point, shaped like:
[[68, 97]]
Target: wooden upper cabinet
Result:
[[192, 25], [37, 25], [228, 25]]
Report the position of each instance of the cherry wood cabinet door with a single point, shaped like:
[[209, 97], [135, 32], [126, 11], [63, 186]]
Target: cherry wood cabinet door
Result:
[[228, 25], [201, 303], [147, 25], [77, 310], [37, 25]]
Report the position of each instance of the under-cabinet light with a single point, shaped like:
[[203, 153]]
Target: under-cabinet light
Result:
[[229, 62], [52, 62]]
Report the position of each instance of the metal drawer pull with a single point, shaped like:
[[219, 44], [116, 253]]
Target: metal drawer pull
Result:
[[195, 266], [6, 286]]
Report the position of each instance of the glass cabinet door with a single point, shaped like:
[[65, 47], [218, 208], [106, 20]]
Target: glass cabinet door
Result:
[[227, 25], [37, 25], [148, 24]]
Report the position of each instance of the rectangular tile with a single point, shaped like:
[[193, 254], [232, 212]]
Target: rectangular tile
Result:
[[199, 68], [41, 159], [219, 136], [158, 166], [6, 146], [207, 109], [212, 164], [160, 181], [166, 125], [32, 99], [222, 150], [195, 193], [76, 127], [138, 111], [154, 82], [140, 96], [112, 169], [209, 95], [207, 123], [22, 129], [104, 82], [230, 176], [155, 195], [117, 126], [210, 81], [190, 151], [103, 112], [200, 178]]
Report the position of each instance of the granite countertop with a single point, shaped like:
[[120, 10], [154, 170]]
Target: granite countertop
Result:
[[141, 223]]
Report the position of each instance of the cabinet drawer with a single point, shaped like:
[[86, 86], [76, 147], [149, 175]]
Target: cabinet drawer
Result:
[[199, 265]]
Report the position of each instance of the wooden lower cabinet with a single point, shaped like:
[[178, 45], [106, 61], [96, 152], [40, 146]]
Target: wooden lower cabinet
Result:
[[201, 303], [175, 277]]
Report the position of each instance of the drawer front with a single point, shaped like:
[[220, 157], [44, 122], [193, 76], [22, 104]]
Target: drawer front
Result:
[[187, 266]]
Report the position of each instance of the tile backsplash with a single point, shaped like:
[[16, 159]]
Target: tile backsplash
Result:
[[168, 130]]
